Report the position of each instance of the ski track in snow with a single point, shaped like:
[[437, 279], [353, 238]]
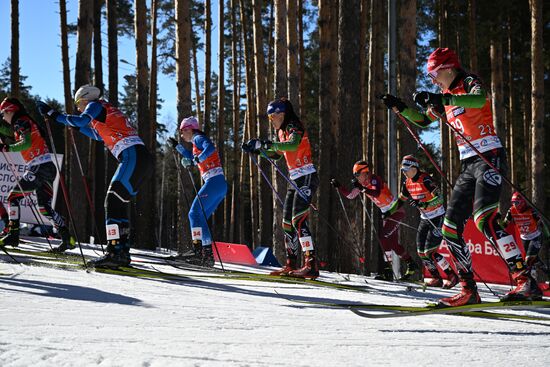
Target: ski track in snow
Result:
[[54, 317]]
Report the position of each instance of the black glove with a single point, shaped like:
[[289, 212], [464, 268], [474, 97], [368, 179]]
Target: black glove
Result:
[[46, 110], [393, 101], [426, 99], [248, 148], [255, 145], [4, 147], [413, 203], [173, 142], [385, 215], [334, 182], [355, 182]]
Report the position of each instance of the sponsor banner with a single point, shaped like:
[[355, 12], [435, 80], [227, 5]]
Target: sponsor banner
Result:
[[488, 264], [8, 180]]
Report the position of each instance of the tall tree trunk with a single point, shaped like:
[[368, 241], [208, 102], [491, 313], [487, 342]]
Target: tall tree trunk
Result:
[[326, 242], [349, 109], [251, 117], [183, 96], [153, 110], [472, 25], [292, 58], [301, 63], [145, 201], [237, 182], [365, 24], [280, 90], [513, 131], [266, 197], [207, 66], [537, 106], [443, 130], [380, 141], [82, 76], [220, 214], [497, 98], [96, 170], [68, 98], [406, 85], [14, 55], [198, 98], [112, 47]]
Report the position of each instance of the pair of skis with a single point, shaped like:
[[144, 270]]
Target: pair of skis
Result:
[[484, 309]]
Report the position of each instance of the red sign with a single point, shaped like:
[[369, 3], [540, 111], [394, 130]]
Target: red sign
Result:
[[488, 265]]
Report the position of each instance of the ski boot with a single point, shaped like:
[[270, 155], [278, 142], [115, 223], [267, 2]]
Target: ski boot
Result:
[[310, 269], [67, 241], [452, 279], [116, 255], [386, 274], [11, 238], [412, 269], [468, 294], [526, 288], [207, 256], [436, 280], [289, 266], [193, 256]]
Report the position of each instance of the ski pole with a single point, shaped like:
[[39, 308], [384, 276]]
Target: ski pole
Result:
[[86, 188], [506, 179], [415, 137], [65, 192], [454, 258], [403, 224], [35, 212], [346, 213], [373, 225], [266, 179], [205, 217], [302, 195], [9, 255]]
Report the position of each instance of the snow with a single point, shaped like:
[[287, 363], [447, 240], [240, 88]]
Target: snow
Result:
[[54, 317]]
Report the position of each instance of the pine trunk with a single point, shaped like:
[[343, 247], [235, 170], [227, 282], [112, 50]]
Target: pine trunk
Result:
[[145, 200], [537, 106], [234, 233], [266, 197], [220, 213], [82, 143], [407, 84], [183, 97], [280, 90], [14, 54], [207, 66], [348, 142]]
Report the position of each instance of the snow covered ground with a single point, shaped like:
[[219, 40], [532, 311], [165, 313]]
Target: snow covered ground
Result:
[[53, 317]]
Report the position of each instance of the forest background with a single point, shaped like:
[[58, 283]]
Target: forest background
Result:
[[330, 58]]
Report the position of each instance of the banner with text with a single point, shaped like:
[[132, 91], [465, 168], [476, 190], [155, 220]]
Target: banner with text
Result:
[[11, 170], [488, 264]]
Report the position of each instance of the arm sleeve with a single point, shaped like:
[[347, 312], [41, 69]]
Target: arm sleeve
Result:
[[404, 195], [349, 194], [89, 132], [475, 96], [203, 143], [295, 138], [416, 117], [184, 152], [92, 111]]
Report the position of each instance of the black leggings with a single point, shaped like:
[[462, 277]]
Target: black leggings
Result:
[[295, 214]]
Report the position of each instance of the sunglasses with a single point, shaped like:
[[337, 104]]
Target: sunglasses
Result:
[[435, 72]]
